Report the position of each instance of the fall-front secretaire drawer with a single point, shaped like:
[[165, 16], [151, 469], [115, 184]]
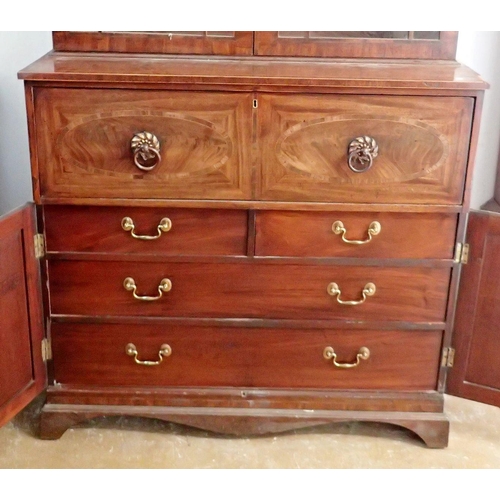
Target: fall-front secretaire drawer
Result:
[[148, 144], [356, 234], [363, 149], [135, 230], [248, 290], [176, 355]]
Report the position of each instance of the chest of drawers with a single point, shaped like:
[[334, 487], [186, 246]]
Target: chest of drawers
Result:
[[249, 245]]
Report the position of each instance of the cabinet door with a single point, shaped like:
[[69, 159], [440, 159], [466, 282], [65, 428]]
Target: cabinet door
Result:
[[380, 44], [476, 336], [22, 369]]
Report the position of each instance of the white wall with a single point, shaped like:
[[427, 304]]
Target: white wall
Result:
[[478, 49], [17, 50]]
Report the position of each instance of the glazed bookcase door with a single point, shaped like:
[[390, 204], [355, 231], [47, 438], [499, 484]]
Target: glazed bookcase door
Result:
[[156, 42], [22, 369], [476, 337], [380, 44]]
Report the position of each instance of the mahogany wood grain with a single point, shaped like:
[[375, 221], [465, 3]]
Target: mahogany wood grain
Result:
[[99, 229], [95, 355], [432, 428], [291, 75], [247, 290], [336, 324], [84, 148], [271, 43], [249, 397], [153, 42], [422, 148], [243, 137], [22, 371], [418, 411], [402, 235], [252, 205], [242, 43], [476, 373]]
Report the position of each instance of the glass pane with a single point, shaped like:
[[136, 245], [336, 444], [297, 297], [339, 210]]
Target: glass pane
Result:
[[293, 34], [359, 34], [426, 35], [344, 34], [228, 34]]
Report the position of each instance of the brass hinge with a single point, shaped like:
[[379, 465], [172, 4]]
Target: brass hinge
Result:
[[448, 357], [46, 350], [39, 241], [462, 253]]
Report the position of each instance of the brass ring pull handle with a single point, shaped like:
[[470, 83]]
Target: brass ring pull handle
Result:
[[334, 290], [165, 351], [373, 229], [146, 150], [164, 226], [164, 286], [362, 152], [363, 355]]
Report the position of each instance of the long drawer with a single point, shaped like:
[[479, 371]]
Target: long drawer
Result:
[[248, 289], [356, 234], [135, 230], [102, 355]]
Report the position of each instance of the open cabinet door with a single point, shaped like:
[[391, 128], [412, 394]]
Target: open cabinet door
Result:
[[476, 337], [22, 369]]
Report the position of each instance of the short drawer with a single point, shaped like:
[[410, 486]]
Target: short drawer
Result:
[[133, 230], [101, 355], [356, 234], [364, 149], [146, 144], [248, 290]]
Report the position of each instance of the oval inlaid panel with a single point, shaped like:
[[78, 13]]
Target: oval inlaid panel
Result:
[[101, 143], [408, 149]]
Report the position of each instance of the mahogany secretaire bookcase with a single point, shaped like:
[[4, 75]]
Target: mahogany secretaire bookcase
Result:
[[246, 232]]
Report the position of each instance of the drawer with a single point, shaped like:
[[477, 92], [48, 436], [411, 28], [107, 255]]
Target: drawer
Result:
[[247, 290], [123, 230], [193, 144], [363, 149], [356, 234], [91, 354]]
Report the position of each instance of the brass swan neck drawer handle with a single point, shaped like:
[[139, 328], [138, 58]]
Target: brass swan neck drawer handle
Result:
[[164, 352], [362, 151], [334, 290], [373, 229], [164, 226], [164, 286], [363, 355], [146, 150]]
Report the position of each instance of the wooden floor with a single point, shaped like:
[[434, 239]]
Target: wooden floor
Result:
[[145, 444]]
